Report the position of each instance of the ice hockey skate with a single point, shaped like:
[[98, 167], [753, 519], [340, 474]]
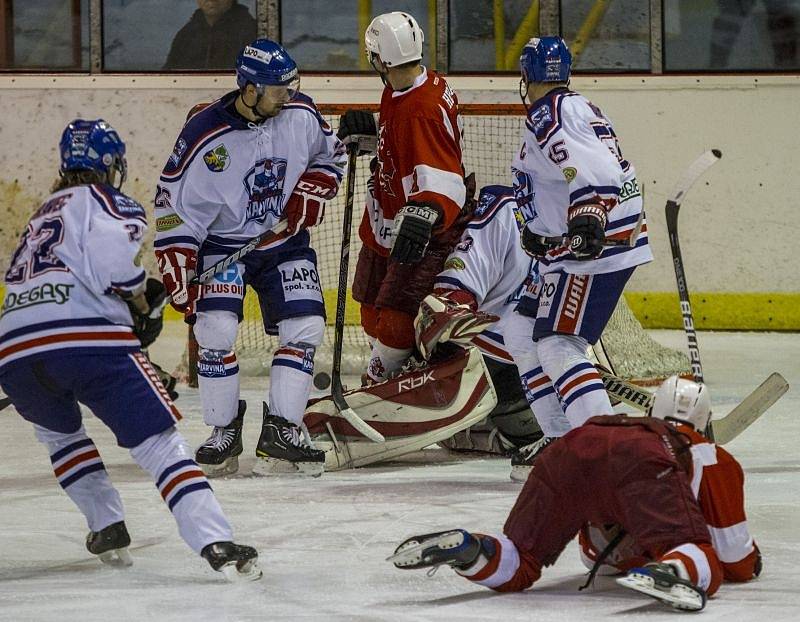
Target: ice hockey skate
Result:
[[110, 544], [523, 458], [661, 582], [237, 562], [284, 449], [457, 548], [219, 455]]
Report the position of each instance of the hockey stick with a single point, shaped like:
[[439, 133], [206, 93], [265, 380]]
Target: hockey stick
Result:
[[691, 175], [337, 391], [726, 428], [249, 246], [750, 408], [629, 241]]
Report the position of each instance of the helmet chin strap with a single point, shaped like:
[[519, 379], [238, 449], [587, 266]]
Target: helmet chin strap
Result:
[[254, 108]]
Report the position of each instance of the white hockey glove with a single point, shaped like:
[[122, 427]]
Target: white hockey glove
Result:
[[451, 316]]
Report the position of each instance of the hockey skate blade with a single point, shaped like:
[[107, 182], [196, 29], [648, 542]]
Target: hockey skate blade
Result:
[[272, 466], [678, 596], [117, 558], [250, 571], [228, 467], [410, 554]]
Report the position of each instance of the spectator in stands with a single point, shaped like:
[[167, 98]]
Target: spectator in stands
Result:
[[213, 37]]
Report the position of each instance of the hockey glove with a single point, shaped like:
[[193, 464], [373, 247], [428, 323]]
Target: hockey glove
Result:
[[306, 205], [358, 126], [586, 231], [177, 267], [148, 326], [534, 244], [412, 232], [449, 316]]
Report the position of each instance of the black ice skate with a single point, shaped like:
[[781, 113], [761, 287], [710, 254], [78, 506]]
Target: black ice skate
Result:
[[456, 548], [661, 582], [283, 448], [522, 460], [237, 562], [219, 455], [111, 544]]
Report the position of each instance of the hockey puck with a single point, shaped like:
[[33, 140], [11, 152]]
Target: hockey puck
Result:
[[322, 380]]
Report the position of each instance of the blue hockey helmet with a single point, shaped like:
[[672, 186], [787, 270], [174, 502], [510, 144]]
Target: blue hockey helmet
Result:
[[265, 63], [93, 146], [545, 59]]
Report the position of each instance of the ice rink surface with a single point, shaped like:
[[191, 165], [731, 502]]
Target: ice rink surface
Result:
[[323, 542]]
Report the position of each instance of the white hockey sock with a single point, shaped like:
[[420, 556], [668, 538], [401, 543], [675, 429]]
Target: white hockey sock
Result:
[[184, 488], [504, 568], [579, 387], [218, 380], [544, 402], [290, 381], [386, 360], [81, 473]]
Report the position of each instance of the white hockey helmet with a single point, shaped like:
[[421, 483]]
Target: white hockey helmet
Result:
[[682, 400], [396, 37]]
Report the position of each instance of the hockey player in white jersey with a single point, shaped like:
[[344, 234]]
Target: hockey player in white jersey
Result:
[[579, 197], [257, 155], [72, 286]]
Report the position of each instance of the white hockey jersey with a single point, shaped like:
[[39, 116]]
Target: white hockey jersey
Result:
[[570, 156], [80, 249], [489, 263], [228, 180]]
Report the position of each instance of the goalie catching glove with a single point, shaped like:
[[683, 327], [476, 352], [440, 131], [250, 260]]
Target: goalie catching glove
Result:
[[449, 316], [412, 233], [306, 205]]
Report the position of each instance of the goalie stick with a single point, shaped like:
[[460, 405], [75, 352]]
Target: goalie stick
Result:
[[337, 390], [691, 175], [726, 428]]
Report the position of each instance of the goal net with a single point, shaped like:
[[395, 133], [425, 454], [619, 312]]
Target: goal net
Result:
[[492, 134]]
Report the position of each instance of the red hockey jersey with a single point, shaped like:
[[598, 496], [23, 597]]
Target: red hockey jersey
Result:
[[717, 480], [419, 158]]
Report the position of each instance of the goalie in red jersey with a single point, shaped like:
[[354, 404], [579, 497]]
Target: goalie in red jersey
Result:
[[415, 194], [650, 496]]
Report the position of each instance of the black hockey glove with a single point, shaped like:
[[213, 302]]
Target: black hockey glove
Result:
[[147, 326], [586, 231], [534, 244], [412, 232], [355, 123]]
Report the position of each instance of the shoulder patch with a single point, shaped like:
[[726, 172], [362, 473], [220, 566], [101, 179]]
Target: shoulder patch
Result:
[[485, 203], [569, 173], [455, 263], [128, 207], [541, 118], [217, 158]]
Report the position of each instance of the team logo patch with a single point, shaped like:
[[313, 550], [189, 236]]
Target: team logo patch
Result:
[[178, 151], [465, 244], [524, 194], [541, 117], [264, 184], [455, 263], [570, 173], [128, 207], [165, 223], [485, 201], [217, 159]]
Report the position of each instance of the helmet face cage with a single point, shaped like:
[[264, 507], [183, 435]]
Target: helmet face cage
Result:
[[96, 146]]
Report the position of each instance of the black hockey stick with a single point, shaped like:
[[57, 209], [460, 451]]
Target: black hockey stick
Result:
[[691, 175], [337, 390], [249, 246]]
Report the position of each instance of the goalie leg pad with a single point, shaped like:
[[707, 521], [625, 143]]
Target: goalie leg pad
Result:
[[412, 410]]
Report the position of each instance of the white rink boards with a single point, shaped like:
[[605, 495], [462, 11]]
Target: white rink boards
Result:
[[323, 542]]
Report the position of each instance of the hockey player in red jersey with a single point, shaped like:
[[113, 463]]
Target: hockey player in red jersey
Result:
[[416, 191], [670, 501]]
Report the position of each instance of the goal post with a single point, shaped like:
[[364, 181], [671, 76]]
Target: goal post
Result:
[[492, 135]]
